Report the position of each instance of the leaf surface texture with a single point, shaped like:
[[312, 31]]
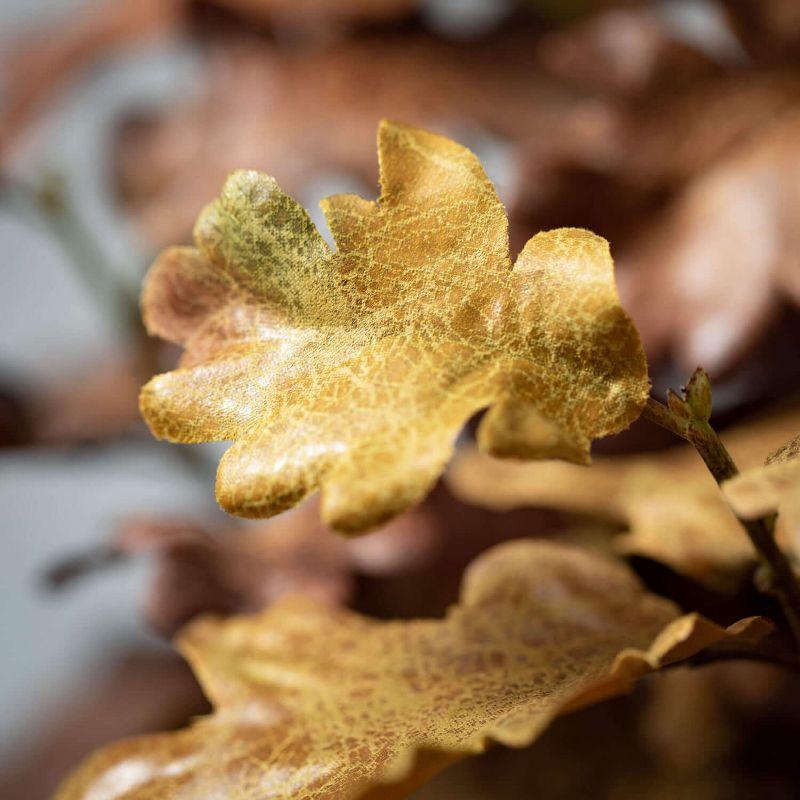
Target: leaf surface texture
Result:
[[354, 371], [315, 702], [671, 508]]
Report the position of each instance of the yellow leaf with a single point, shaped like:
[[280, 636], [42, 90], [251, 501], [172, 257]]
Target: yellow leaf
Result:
[[315, 702], [671, 507], [354, 371]]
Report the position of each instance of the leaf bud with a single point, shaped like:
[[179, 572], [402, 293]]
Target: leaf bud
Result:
[[678, 406], [698, 394]]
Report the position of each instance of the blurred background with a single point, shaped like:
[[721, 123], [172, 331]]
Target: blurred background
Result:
[[672, 128]]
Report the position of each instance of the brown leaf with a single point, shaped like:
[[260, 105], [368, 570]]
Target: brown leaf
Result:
[[302, 112], [769, 29], [622, 51], [321, 14], [95, 404], [245, 569], [770, 488], [707, 122], [670, 506], [613, 166], [40, 63], [355, 371], [713, 272], [313, 702]]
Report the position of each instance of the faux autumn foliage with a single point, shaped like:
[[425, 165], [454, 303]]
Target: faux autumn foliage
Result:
[[299, 113], [229, 569], [668, 503], [772, 487], [355, 370]]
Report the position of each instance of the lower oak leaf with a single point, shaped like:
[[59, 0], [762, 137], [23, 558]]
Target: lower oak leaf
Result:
[[317, 702], [670, 506]]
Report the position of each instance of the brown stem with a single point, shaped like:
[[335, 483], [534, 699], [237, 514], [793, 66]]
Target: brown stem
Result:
[[662, 416], [782, 580]]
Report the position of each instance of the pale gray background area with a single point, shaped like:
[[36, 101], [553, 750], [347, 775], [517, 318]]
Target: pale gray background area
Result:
[[53, 503]]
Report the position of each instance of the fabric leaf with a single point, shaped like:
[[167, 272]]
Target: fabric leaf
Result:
[[355, 370], [214, 567], [773, 487], [670, 506], [314, 702]]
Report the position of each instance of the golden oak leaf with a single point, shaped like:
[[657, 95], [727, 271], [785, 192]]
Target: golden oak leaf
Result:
[[316, 702], [773, 487], [671, 507], [355, 370]]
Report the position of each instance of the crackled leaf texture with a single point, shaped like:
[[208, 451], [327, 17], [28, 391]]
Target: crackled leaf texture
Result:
[[354, 370], [669, 505], [314, 702]]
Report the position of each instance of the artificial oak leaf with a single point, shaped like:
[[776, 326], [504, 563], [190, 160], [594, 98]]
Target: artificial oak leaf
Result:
[[723, 258], [768, 29], [242, 569], [354, 371], [772, 487], [670, 507], [315, 702], [38, 63], [302, 114]]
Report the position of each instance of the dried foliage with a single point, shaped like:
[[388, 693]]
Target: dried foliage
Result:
[[96, 405], [39, 63], [353, 370], [356, 370], [317, 14], [297, 113], [768, 29], [202, 569], [773, 487], [311, 702], [622, 53], [696, 179], [725, 255], [670, 507]]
